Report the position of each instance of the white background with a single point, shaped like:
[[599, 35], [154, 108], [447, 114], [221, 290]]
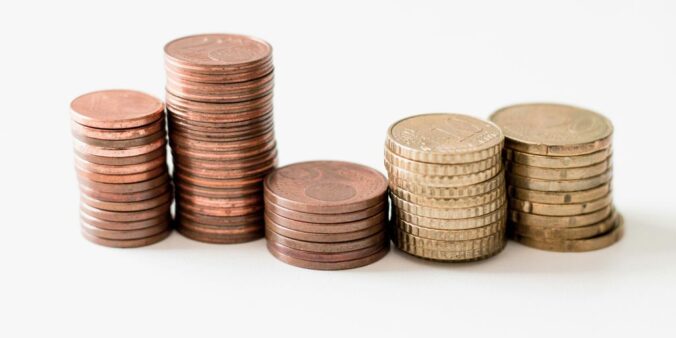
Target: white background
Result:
[[344, 72]]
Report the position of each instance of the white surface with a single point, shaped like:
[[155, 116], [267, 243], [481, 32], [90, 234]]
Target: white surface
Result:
[[344, 73]]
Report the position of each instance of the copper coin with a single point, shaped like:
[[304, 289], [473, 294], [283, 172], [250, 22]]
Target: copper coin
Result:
[[111, 225], [121, 144], [116, 109], [218, 108], [223, 146], [222, 155], [217, 183], [215, 202], [127, 206], [227, 165], [125, 198], [328, 228], [127, 188], [218, 211], [125, 216], [117, 134], [129, 243], [131, 160], [201, 119], [326, 257], [220, 231], [362, 243], [217, 52], [325, 218], [254, 73], [256, 131], [320, 237], [228, 221], [263, 169], [216, 192], [129, 178], [350, 264], [124, 234], [201, 88], [255, 126], [244, 95], [84, 148], [218, 239], [326, 187], [119, 169], [237, 122]]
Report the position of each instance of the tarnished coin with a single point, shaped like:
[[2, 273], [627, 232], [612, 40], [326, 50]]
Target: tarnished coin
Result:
[[219, 108], [328, 228], [116, 109], [570, 209], [448, 192], [553, 129], [561, 173], [342, 265], [222, 155], [451, 235], [560, 197], [560, 185], [443, 181], [452, 224], [215, 202], [555, 162], [325, 187], [461, 202], [560, 221], [323, 237], [434, 169], [444, 138], [325, 218], [449, 212], [127, 243], [553, 233], [251, 231]]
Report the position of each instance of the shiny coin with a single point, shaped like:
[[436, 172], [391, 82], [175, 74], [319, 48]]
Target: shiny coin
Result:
[[487, 244], [116, 109]]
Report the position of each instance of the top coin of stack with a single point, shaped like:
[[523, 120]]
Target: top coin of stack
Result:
[[219, 101], [447, 186], [120, 159], [559, 177], [326, 215]]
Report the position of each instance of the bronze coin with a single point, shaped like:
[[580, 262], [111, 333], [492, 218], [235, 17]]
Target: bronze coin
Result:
[[223, 146], [130, 160], [126, 188], [217, 52], [84, 148], [111, 225], [128, 243], [125, 216], [183, 187], [125, 198], [124, 234], [243, 201], [119, 169], [325, 187], [218, 211], [216, 221], [121, 144], [262, 170], [324, 218], [249, 162], [217, 183], [116, 109], [117, 134], [362, 243], [127, 206], [350, 264], [326, 257], [322, 237], [129, 178], [222, 155], [328, 228], [217, 108]]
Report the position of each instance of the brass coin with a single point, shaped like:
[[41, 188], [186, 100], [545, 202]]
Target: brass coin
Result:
[[553, 129], [127, 206], [130, 160], [560, 197], [125, 188], [128, 178], [326, 257], [125, 216], [448, 192], [116, 109], [325, 218], [343, 265], [486, 244], [124, 226], [84, 148], [323, 237], [117, 134], [443, 181], [328, 228], [451, 235], [462, 202], [561, 185], [561, 173], [444, 138], [556, 162], [127, 243], [453, 256], [119, 169], [560, 221], [448, 213], [124, 234], [552, 233], [432, 169], [451, 224], [577, 245], [571, 209]]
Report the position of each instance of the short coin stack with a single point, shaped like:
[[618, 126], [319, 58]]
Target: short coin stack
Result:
[[559, 177], [326, 215], [120, 159], [219, 101], [447, 187]]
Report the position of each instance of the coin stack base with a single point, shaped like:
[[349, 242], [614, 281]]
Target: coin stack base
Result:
[[326, 215], [446, 187], [219, 101], [120, 160], [559, 163]]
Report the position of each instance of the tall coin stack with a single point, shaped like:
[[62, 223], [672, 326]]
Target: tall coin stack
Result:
[[326, 215], [120, 160], [219, 102], [559, 177], [447, 187]]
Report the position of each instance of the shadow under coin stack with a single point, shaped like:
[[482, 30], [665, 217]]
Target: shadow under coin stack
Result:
[[120, 160], [559, 177], [219, 101], [447, 187], [326, 215]]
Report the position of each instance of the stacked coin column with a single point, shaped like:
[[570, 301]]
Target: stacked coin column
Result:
[[446, 186], [326, 215], [120, 159], [559, 177], [219, 103]]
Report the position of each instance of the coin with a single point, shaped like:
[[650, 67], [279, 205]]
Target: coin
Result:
[[447, 192], [124, 234], [323, 257], [451, 235], [433, 169], [325, 218], [128, 178], [135, 225], [116, 109], [84, 148], [560, 185], [560, 173], [322, 237], [127, 206], [554, 233], [130, 197], [119, 169], [462, 202], [127, 216], [126, 188], [121, 144], [447, 213], [216, 52], [574, 161], [451, 224], [560, 197], [570, 209], [332, 247], [444, 181], [128, 243], [342, 265], [560, 221], [453, 256], [328, 228], [219, 221], [486, 244], [130, 160]]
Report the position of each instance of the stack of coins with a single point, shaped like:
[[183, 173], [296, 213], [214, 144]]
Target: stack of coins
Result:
[[559, 172], [219, 102], [447, 187], [326, 215], [120, 160]]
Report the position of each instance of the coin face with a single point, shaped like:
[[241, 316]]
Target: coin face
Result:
[[553, 129], [217, 49], [444, 138], [116, 109]]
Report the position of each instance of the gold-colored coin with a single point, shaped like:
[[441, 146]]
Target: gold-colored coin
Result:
[[448, 192], [462, 202], [570, 209], [450, 224], [560, 197], [550, 233], [556, 162], [444, 138], [450, 235], [424, 168], [487, 244], [453, 256], [561, 173], [553, 129], [577, 245], [452, 213], [443, 181], [560, 221], [560, 185]]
